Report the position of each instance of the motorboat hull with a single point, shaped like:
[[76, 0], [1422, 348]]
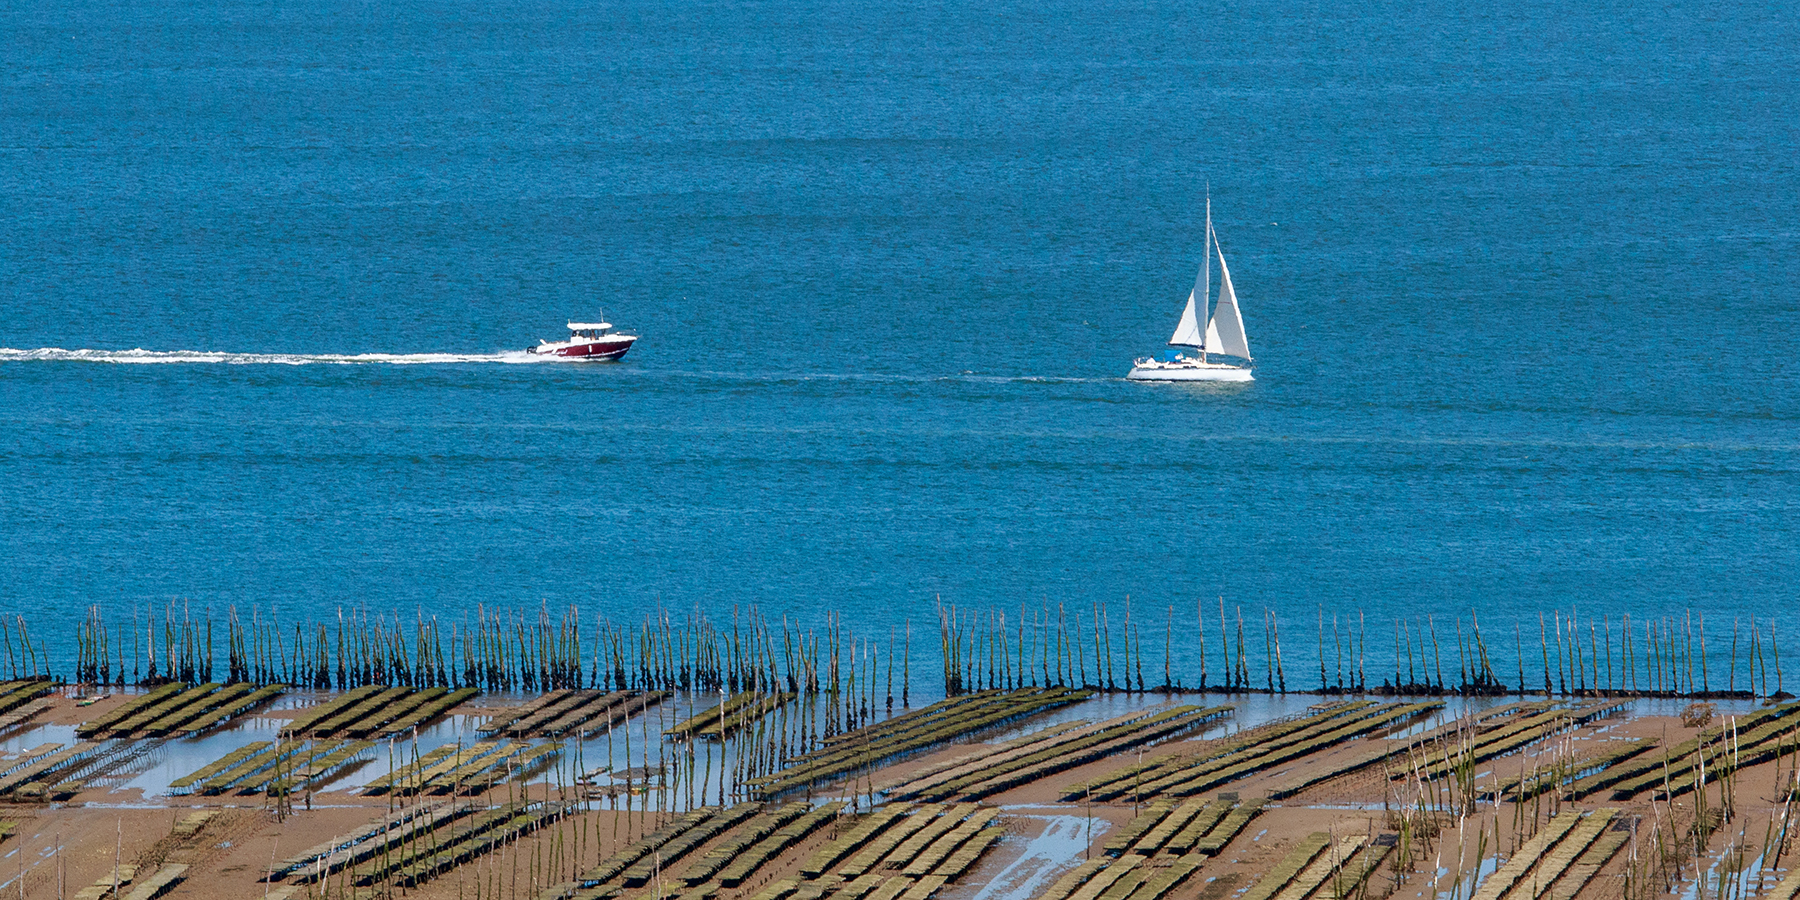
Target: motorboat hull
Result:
[[1188, 371], [593, 351]]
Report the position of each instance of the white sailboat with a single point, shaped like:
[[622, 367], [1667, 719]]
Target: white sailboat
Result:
[[1224, 335]]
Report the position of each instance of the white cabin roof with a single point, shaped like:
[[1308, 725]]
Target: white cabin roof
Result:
[[589, 326]]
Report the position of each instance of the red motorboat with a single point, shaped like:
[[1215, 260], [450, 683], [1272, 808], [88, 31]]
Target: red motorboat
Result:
[[588, 340]]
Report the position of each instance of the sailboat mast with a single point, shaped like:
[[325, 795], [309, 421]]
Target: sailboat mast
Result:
[[1205, 309]]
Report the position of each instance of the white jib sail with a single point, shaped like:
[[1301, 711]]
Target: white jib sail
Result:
[[1225, 333], [1187, 331]]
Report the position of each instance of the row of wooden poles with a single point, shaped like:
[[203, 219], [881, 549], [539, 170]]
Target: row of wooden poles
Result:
[[1098, 646], [500, 651], [1057, 646]]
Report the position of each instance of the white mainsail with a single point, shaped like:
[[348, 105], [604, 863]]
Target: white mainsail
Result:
[[1187, 331], [1225, 332]]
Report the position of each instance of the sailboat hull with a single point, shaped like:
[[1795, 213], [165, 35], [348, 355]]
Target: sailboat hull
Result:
[[1188, 371]]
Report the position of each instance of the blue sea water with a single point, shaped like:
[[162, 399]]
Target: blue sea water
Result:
[[1521, 282]]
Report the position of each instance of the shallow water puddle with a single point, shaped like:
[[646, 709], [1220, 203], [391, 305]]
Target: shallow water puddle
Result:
[[1060, 845]]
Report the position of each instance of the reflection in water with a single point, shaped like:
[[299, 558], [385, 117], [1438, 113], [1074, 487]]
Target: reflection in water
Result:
[[1053, 852]]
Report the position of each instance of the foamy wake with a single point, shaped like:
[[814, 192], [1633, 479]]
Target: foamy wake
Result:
[[144, 357]]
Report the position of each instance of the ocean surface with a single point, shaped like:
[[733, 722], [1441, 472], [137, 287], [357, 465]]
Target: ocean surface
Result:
[[1522, 283]]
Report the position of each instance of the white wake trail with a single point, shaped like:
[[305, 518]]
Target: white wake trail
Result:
[[150, 357]]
